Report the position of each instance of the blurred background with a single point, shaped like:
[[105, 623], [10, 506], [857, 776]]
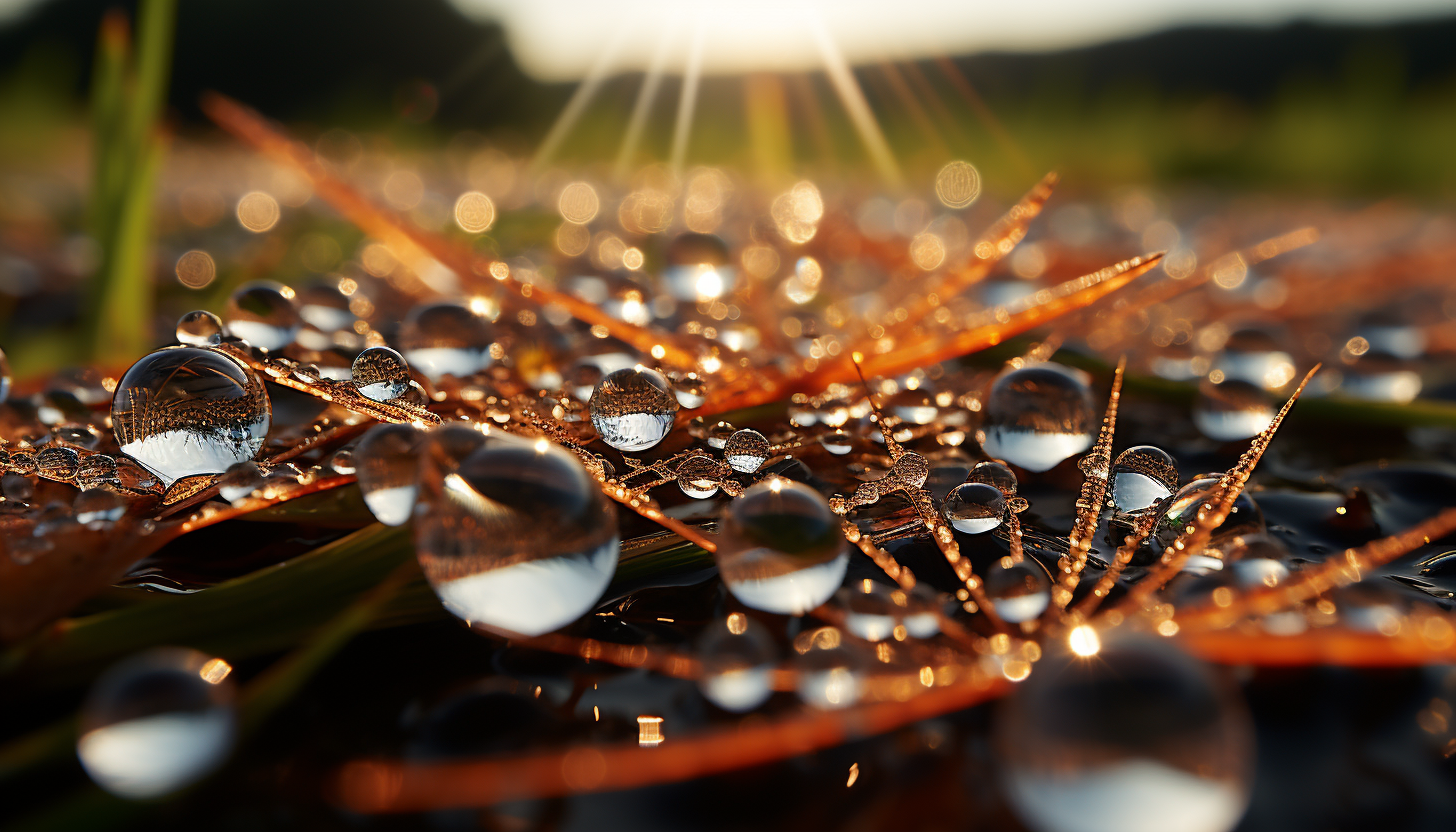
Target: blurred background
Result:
[[425, 99]]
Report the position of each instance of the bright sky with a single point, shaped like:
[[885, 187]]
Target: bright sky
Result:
[[564, 39]]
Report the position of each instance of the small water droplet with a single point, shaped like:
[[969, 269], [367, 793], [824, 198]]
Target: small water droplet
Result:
[[518, 537], [342, 462], [387, 465], [698, 477], [737, 657], [262, 314], [57, 463], [199, 328], [76, 435], [1141, 476], [96, 470], [699, 267], [182, 411], [380, 374], [97, 505], [1019, 590], [992, 472], [974, 507], [240, 481], [1232, 410], [1038, 416], [690, 390], [746, 451], [17, 488], [780, 549], [837, 442], [829, 674], [446, 338], [915, 407], [633, 409], [156, 722]]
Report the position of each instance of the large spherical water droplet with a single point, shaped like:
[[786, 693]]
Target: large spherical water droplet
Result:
[[1019, 590], [746, 451], [182, 411], [1141, 476], [157, 722], [518, 537], [1139, 738], [992, 472], [633, 409], [974, 507], [1232, 410], [325, 308], [380, 374], [446, 338], [1181, 511], [780, 549], [698, 477], [199, 328], [1038, 416], [738, 657], [262, 313], [387, 466]]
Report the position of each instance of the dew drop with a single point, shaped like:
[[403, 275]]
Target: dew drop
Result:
[[17, 488], [1038, 416], [992, 472], [780, 549], [698, 268], [1019, 590], [342, 461], [837, 442], [239, 482], [182, 411], [518, 537], [915, 407], [974, 507], [97, 505], [1141, 476], [77, 435], [380, 374], [262, 314], [633, 409], [737, 657], [746, 451], [1253, 354], [156, 722], [698, 477], [829, 676], [446, 338], [386, 463], [96, 470], [57, 463], [1181, 510], [1142, 737], [199, 328], [1232, 410], [690, 390]]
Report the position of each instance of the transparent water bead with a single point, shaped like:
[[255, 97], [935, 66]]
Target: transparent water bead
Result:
[[97, 505], [1232, 410], [915, 407], [96, 470], [994, 472], [1253, 354], [974, 507], [738, 658], [77, 436], [1380, 377], [837, 442], [1138, 738], [829, 674], [240, 481], [446, 338], [780, 549], [1038, 416], [690, 390], [157, 722], [698, 477], [698, 268], [387, 464], [199, 328], [518, 537], [633, 409], [1181, 510], [380, 374], [262, 313], [1141, 476], [746, 451], [1019, 590], [874, 610], [58, 463], [182, 411]]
